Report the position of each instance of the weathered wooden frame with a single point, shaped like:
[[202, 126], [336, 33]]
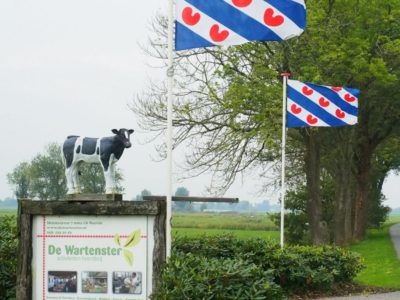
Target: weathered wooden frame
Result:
[[28, 208]]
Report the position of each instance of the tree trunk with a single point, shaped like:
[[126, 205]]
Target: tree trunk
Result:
[[343, 205], [318, 228], [363, 175], [343, 186]]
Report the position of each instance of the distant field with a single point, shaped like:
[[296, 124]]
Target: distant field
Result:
[[242, 234], [7, 212], [234, 221]]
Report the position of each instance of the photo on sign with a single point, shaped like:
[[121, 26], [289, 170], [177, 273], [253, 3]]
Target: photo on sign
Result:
[[127, 282], [94, 282], [61, 281]]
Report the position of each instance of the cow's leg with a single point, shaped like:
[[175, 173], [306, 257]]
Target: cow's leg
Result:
[[70, 183], [109, 175], [75, 177]]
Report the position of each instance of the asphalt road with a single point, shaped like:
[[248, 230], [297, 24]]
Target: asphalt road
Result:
[[387, 296], [395, 235]]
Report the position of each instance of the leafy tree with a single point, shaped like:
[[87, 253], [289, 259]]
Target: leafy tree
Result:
[[182, 205], [46, 172], [143, 193], [44, 177], [228, 108], [19, 178]]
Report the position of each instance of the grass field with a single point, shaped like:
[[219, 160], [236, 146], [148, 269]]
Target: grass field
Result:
[[7, 212], [382, 264], [243, 234], [233, 221]]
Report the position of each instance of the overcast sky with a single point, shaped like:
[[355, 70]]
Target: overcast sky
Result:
[[73, 67]]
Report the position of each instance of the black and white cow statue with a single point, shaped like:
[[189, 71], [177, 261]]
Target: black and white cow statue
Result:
[[106, 151]]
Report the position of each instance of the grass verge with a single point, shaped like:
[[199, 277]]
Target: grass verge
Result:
[[382, 265]]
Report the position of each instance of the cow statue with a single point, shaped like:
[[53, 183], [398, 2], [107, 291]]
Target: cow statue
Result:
[[106, 151]]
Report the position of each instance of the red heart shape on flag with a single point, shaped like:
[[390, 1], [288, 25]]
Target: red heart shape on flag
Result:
[[306, 91], [241, 3], [311, 119], [349, 98], [295, 109], [340, 114], [216, 35], [336, 89], [323, 102], [270, 20], [189, 17]]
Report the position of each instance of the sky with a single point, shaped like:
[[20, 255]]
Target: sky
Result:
[[73, 67]]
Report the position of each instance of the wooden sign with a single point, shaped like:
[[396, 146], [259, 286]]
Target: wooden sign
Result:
[[90, 250]]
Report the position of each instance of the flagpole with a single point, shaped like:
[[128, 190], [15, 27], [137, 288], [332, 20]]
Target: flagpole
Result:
[[283, 187], [170, 74]]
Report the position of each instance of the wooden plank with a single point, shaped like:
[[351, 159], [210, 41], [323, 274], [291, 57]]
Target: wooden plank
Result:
[[191, 199], [93, 197], [24, 267], [159, 251], [151, 208]]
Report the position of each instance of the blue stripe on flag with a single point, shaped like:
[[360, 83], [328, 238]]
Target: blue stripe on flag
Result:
[[354, 92], [293, 121], [313, 108], [187, 39], [235, 20], [335, 98], [292, 10]]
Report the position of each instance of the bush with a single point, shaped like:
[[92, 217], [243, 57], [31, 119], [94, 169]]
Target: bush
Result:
[[295, 269], [188, 276], [8, 258]]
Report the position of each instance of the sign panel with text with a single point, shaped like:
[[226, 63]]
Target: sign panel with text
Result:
[[92, 257]]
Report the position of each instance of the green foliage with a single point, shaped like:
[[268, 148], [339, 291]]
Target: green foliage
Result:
[[295, 269], [8, 262], [188, 276]]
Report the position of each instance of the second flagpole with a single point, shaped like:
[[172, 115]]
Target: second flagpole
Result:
[[283, 150]]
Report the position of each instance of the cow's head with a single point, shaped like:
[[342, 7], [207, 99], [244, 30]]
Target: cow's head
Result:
[[124, 135]]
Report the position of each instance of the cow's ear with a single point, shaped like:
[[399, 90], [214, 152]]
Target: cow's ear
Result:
[[116, 131], [131, 131]]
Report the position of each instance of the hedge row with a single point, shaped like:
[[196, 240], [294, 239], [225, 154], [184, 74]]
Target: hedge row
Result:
[[8, 258], [224, 267]]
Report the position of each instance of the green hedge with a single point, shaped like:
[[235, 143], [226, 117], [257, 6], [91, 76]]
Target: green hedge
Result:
[[189, 276], [197, 264], [8, 256]]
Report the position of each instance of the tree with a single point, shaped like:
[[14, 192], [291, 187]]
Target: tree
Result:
[[44, 177], [143, 193], [228, 107], [182, 205], [19, 178]]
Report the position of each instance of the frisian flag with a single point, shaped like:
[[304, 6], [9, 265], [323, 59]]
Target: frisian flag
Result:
[[309, 104], [204, 23]]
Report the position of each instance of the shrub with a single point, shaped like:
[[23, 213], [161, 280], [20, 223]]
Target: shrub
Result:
[[8, 258], [187, 276], [295, 269]]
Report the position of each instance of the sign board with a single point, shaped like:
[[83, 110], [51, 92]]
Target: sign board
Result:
[[90, 255]]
